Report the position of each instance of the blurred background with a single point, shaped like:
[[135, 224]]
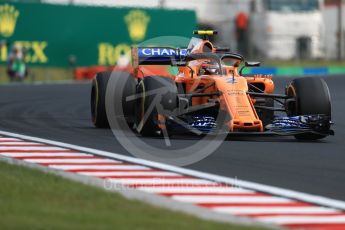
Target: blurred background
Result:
[[73, 39]]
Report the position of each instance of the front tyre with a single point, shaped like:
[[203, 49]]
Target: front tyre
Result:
[[311, 97]]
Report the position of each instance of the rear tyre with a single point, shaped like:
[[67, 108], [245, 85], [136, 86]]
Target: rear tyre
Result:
[[98, 95], [98, 92], [155, 92], [311, 97]]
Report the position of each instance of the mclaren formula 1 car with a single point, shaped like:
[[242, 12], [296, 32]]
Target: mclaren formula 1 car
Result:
[[208, 94]]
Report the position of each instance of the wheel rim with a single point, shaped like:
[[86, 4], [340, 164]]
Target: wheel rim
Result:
[[292, 107]]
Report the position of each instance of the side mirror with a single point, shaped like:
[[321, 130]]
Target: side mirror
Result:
[[249, 64], [252, 64], [191, 71]]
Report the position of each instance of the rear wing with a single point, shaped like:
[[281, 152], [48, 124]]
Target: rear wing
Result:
[[158, 56]]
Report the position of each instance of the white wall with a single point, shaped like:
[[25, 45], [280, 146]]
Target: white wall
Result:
[[330, 15]]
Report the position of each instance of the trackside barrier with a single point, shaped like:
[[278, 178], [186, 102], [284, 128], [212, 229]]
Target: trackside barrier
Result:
[[296, 71]]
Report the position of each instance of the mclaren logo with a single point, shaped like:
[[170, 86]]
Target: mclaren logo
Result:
[[8, 20], [137, 21]]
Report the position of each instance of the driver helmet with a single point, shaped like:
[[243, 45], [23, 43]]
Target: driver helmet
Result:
[[209, 68]]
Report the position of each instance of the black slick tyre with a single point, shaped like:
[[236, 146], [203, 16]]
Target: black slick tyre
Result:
[[126, 84], [311, 97]]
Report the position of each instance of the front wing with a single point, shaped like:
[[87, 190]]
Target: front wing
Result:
[[281, 126]]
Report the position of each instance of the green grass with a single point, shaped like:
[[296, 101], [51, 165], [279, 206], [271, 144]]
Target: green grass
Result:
[[31, 199]]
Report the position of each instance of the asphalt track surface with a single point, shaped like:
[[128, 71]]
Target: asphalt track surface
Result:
[[62, 113]]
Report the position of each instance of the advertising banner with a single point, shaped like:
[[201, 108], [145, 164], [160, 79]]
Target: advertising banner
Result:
[[55, 35]]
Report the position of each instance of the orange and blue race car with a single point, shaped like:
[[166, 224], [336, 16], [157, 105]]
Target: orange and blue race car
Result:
[[208, 95]]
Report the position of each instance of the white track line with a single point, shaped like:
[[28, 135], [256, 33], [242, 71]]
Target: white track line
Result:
[[274, 210], [324, 201], [286, 219], [232, 199]]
